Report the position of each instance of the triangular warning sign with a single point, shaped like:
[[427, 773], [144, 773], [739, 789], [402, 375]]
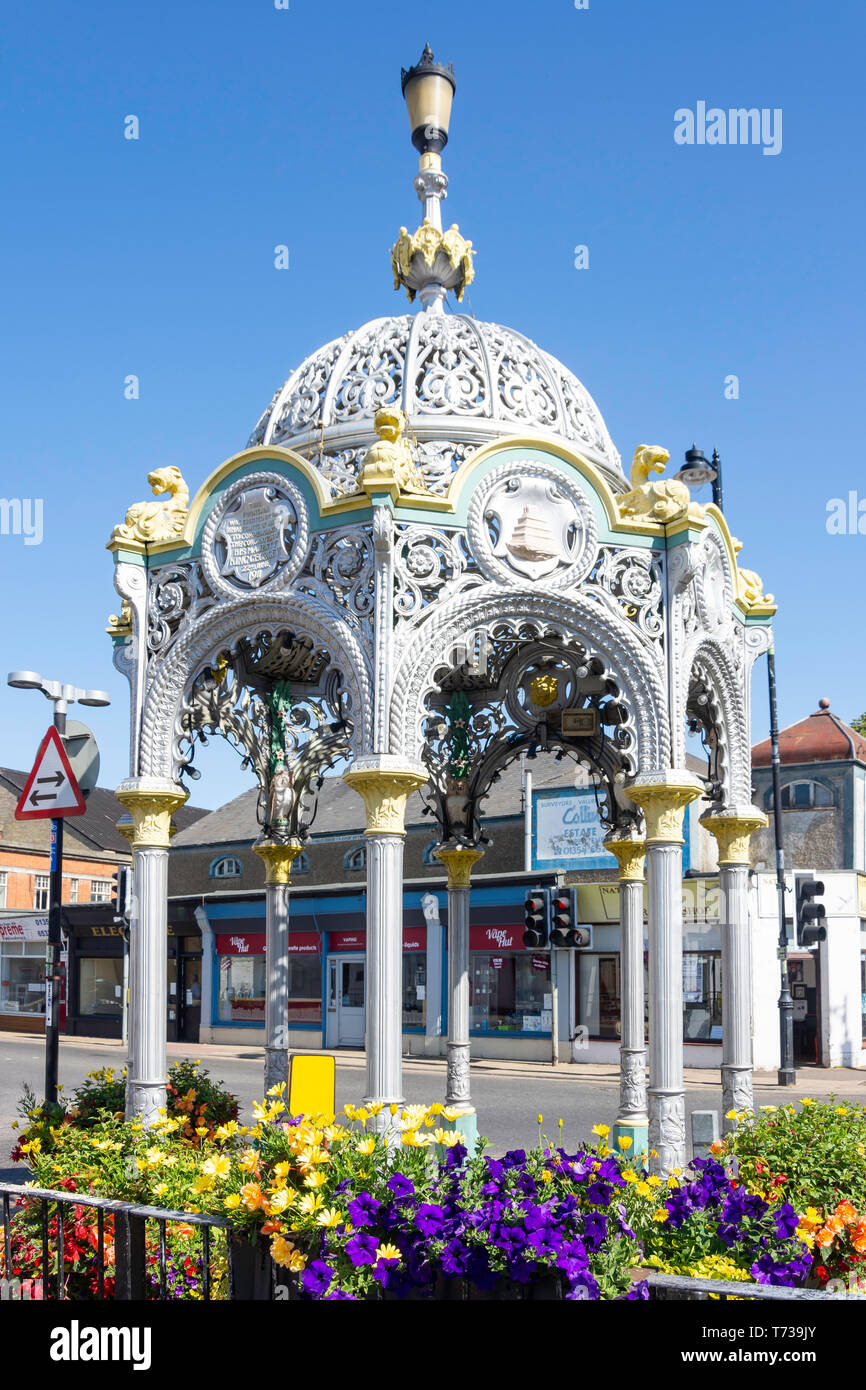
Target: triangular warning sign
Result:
[[51, 789]]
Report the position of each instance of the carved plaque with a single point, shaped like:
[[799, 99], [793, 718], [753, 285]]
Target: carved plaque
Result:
[[256, 535]]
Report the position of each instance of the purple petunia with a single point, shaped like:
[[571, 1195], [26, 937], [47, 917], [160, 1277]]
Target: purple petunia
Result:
[[317, 1278], [787, 1221], [430, 1219], [400, 1187], [364, 1209], [361, 1249]]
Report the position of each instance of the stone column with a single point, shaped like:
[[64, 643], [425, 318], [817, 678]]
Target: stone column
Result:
[[733, 829], [632, 1120], [663, 798], [278, 859], [385, 784], [459, 861], [150, 801]]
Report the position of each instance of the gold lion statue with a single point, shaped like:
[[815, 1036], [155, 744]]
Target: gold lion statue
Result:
[[157, 521]]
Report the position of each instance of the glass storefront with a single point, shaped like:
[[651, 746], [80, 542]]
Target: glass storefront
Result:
[[305, 989], [414, 989], [242, 989], [100, 986], [510, 992], [598, 995], [22, 978]]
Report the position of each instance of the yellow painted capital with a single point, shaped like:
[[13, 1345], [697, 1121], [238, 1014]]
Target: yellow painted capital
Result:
[[459, 860], [278, 859], [733, 831], [151, 813], [663, 802], [630, 855], [385, 792]]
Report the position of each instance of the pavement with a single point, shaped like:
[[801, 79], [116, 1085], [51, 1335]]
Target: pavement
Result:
[[509, 1095]]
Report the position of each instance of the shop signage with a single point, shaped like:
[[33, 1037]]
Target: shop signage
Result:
[[541, 963], [567, 832], [497, 962], [301, 943], [23, 928], [414, 939], [496, 938]]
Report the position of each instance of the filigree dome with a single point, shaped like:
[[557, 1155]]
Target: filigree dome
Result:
[[460, 382]]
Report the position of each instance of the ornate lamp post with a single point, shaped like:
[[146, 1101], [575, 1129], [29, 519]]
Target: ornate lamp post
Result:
[[697, 470], [428, 90]]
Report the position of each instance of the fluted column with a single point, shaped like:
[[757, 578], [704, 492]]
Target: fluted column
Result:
[[150, 801], [733, 829], [663, 798], [632, 1120], [278, 859], [459, 861], [384, 785]]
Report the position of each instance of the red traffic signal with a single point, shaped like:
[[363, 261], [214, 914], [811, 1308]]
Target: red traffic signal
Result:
[[536, 919], [810, 913]]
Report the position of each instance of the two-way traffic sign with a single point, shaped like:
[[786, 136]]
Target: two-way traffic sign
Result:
[[51, 789]]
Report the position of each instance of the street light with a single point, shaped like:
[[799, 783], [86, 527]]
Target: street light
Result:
[[60, 696], [428, 90], [697, 470]]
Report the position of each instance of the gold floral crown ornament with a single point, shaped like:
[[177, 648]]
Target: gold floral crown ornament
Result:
[[432, 257]]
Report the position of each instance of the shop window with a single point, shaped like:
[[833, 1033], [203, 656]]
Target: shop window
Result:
[[242, 989], [355, 861], [305, 988], [599, 995], [226, 867], [510, 993], [40, 896], [100, 986], [22, 977], [414, 989], [100, 890]]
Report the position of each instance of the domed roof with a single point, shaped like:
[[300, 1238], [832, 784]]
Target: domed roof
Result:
[[460, 382]]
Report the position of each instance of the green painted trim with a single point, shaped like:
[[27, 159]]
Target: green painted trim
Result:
[[129, 557]]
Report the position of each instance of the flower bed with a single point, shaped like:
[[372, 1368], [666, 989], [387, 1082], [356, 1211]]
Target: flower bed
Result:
[[354, 1210], [815, 1159]]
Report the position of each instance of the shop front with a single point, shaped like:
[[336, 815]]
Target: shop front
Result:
[[346, 986], [23, 947]]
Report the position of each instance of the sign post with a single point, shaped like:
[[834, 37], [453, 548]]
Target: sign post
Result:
[[51, 791]]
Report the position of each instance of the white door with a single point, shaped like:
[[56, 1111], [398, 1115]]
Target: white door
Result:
[[350, 1001]]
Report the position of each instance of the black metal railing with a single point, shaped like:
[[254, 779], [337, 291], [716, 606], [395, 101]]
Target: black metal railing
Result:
[[132, 1280]]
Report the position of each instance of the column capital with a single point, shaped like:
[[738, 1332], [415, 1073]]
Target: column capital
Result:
[[459, 860], [663, 798], [733, 828], [278, 859], [385, 784], [630, 854], [151, 802]]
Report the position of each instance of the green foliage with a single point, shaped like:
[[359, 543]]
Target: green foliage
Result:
[[815, 1156], [859, 724]]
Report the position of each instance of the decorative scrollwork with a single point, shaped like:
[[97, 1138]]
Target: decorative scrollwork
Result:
[[473, 733], [176, 593], [632, 579]]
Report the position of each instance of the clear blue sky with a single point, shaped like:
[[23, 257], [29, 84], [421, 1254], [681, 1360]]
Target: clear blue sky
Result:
[[261, 126]]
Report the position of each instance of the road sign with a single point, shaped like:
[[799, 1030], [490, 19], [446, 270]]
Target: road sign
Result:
[[83, 754], [51, 789]]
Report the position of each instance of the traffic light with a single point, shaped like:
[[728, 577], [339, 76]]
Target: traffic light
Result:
[[562, 914], [119, 883], [810, 912], [536, 919], [564, 929]]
